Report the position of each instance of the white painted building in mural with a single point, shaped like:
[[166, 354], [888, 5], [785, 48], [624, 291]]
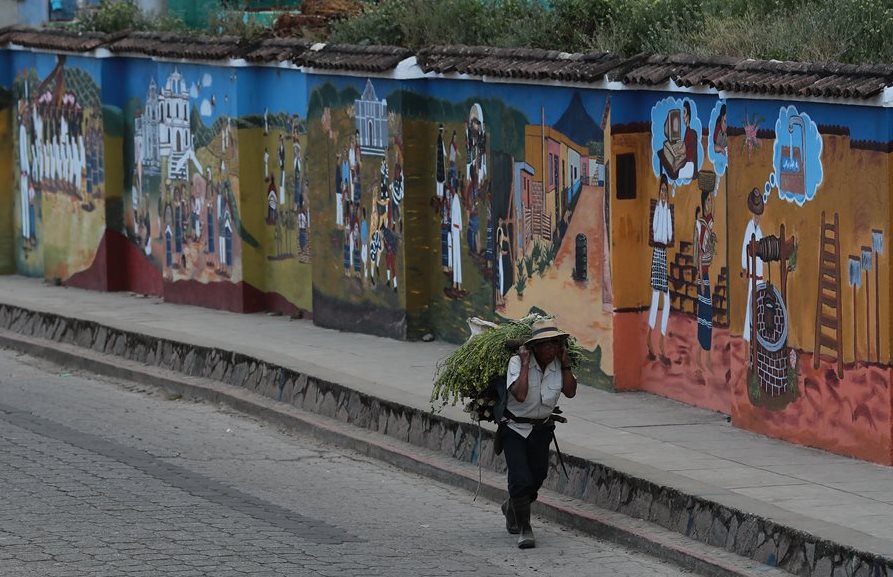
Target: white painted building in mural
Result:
[[596, 171], [146, 133], [372, 121], [523, 183], [175, 134], [574, 172]]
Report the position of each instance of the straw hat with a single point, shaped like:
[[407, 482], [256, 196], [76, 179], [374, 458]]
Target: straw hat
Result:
[[544, 329]]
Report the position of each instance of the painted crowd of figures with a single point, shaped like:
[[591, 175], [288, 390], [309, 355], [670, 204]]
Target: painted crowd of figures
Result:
[[458, 199], [198, 214], [60, 150], [286, 211], [369, 235]]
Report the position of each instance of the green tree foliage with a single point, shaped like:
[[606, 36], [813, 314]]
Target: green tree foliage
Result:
[[419, 23], [118, 15], [856, 31]]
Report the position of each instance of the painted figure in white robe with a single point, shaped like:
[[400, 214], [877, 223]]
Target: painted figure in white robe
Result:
[[456, 241], [756, 206]]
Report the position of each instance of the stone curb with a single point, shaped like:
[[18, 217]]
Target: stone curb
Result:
[[592, 483], [640, 535]]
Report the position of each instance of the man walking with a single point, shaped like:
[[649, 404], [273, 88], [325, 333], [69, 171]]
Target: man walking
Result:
[[536, 378]]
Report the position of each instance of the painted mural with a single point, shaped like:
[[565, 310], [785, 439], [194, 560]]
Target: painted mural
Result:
[[762, 287], [518, 214], [59, 170], [7, 220], [183, 214], [276, 199], [812, 365], [359, 221], [728, 253], [681, 250]]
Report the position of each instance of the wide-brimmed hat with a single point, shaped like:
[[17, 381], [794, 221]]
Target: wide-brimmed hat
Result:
[[544, 329], [755, 202]]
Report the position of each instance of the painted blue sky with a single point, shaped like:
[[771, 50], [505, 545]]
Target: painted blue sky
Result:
[[272, 89], [864, 122], [530, 100], [44, 63], [527, 99], [212, 90]]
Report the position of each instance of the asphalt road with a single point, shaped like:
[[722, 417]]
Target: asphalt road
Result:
[[107, 478]]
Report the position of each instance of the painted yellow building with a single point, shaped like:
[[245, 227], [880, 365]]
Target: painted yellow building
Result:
[[556, 162]]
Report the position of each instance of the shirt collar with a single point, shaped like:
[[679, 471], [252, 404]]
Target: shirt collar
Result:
[[550, 368]]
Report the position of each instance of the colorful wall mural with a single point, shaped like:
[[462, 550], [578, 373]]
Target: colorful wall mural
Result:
[[359, 222], [59, 204], [7, 221], [670, 220], [515, 211], [726, 252], [759, 277], [276, 203], [813, 363]]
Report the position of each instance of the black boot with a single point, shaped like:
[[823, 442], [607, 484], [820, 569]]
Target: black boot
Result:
[[521, 505], [511, 524]]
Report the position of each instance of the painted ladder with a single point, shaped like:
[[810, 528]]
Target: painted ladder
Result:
[[829, 307]]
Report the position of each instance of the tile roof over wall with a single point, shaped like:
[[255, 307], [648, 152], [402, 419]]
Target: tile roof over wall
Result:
[[794, 78], [520, 63], [277, 50], [171, 45], [724, 73], [376, 59], [761, 76], [60, 40]]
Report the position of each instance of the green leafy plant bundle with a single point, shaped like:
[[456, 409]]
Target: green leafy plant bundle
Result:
[[467, 371]]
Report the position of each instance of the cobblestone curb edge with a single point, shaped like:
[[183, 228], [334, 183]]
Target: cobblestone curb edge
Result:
[[693, 516]]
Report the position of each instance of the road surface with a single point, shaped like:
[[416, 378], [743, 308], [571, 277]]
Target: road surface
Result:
[[106, 478]]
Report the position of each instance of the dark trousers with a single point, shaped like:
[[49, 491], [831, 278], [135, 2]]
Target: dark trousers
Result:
[[527, 459]]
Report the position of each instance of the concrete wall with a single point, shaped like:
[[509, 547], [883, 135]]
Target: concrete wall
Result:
[[404, 207]]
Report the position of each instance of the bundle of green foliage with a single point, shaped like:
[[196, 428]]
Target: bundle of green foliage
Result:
[[465, 374]]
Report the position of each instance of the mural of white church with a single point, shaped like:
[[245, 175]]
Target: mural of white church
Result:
[[372, 121], [146, 132], [174, 132]]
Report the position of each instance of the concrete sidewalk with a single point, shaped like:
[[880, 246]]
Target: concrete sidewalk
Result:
[[698, 453]]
